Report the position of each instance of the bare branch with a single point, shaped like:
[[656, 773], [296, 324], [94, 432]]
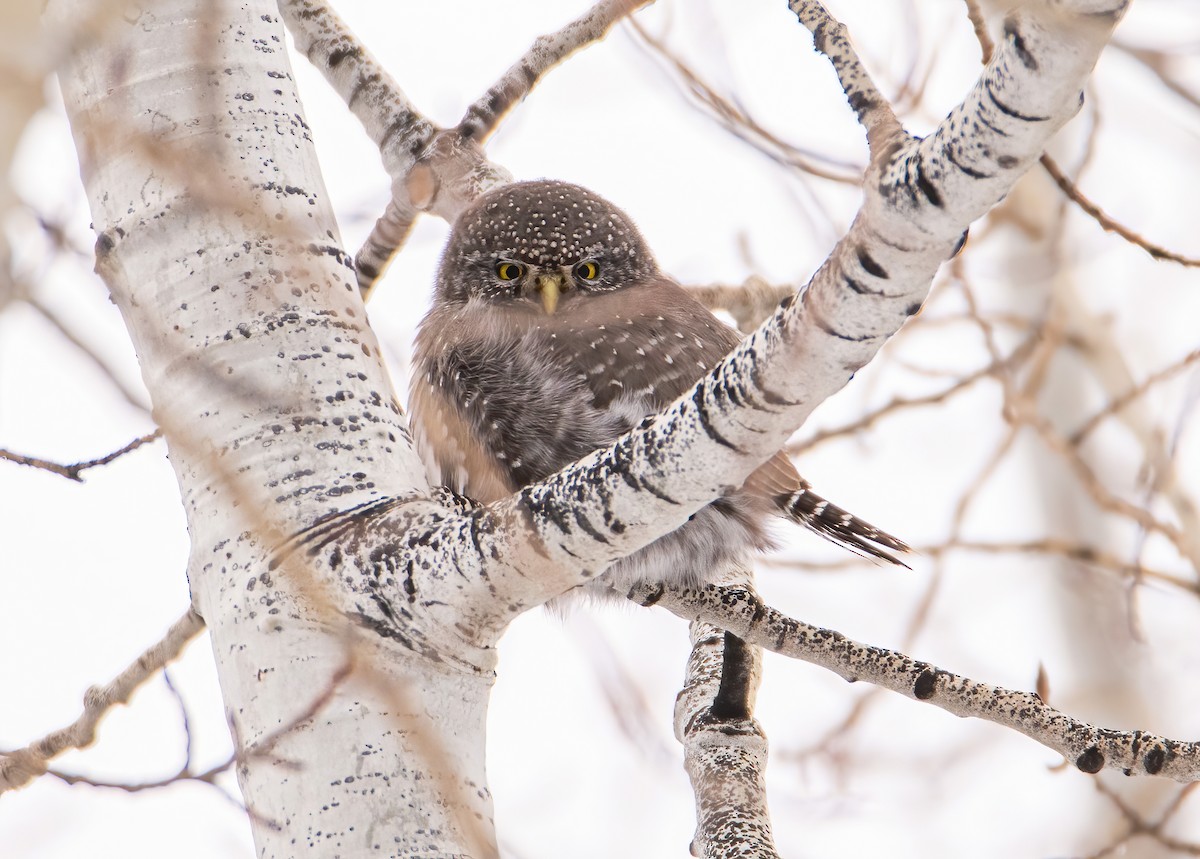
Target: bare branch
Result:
[[734, 119], [898, 404], [986, 45], [1157, 61], [74, 472], [1107, 222], [483, 117], [1089, 748], [873, 110], [749, 304], [21, 766], [1088, 555], [725, 749], [133, 397]]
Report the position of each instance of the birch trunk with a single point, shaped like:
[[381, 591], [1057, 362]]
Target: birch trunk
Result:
[[218, 244]]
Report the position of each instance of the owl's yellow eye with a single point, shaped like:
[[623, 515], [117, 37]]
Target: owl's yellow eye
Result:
[[509, 270], [587, 271]]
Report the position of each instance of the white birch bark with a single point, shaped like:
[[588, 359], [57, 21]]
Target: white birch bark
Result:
[[217, 242], [355, 657]]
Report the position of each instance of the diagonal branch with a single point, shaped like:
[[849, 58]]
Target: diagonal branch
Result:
[[919, 200], [483, 117], [75, 470], [1089, 748], [432, 170], [19, 767]]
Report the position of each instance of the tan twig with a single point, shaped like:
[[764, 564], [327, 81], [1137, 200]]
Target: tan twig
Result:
[[1117, 404], [748, 303], [1088, 555], [75, 470], [1156, 61], [899, 404], [132, 396], [21, 766], [986, 46], [1141, 827], [1106, 222], [484, 116], [735, 120], [1109, 224]]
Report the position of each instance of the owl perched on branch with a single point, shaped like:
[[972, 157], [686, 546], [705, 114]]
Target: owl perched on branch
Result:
[[553, 332]]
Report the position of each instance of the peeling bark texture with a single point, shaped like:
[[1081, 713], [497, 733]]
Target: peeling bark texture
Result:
[[1091, 749]]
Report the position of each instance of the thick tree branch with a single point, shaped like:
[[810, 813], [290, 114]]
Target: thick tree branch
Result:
[[919, 201], [1089, 748]]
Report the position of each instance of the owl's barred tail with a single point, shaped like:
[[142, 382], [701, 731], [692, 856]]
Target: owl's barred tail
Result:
[[840, 526]]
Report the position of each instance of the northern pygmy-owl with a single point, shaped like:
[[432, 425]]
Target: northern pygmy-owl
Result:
[[552, 332]]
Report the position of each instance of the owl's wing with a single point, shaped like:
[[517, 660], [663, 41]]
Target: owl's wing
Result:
[[639, 348], [654, 350], [647, 346]]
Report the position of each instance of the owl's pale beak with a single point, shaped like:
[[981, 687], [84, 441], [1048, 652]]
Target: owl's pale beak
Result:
[[550, 286]]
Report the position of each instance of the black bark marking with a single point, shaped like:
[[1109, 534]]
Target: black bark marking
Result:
[[962, 241], [586, 525], [732, 702], [655, 595], [542, 509], [928, 189], [1154, 760], [973, 173], [870, 266], [700, 398], [859, 287], [1014, 36], [925, 685], [833, 332], [1091, 761], [1010, 111], [336, 57], [993, 128]]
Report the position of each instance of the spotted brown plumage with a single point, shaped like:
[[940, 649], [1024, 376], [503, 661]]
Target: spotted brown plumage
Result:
[[552, 332]]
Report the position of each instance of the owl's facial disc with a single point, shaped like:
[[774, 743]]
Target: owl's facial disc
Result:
[[550, 285]]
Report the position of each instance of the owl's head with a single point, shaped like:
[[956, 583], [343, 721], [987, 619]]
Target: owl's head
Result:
[[538, 243]]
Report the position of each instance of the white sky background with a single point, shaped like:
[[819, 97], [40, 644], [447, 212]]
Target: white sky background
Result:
[[582, 761]]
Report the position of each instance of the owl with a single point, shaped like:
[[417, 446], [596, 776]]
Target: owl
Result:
[[552, 332]]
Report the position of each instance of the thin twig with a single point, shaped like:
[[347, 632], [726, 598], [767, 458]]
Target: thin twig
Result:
[[1109, 224], [735, 120], [872, 109], [1106, 222], [75, 470], [484, 116], [21, 766]]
